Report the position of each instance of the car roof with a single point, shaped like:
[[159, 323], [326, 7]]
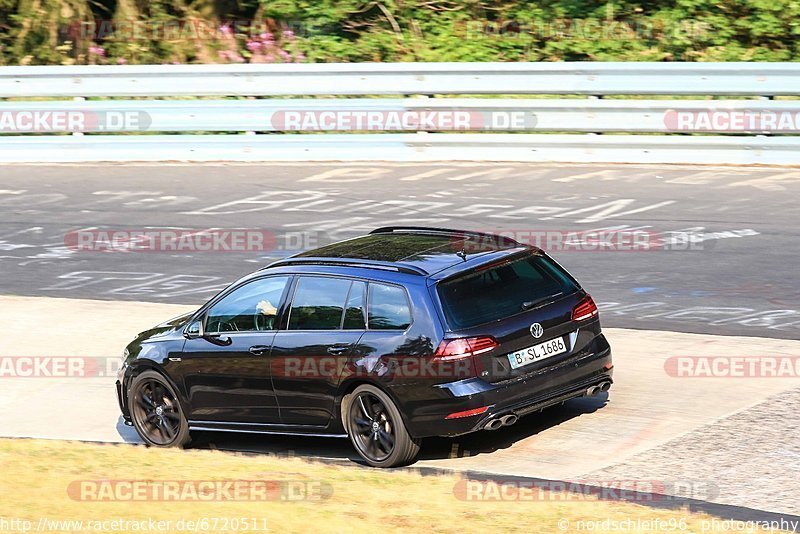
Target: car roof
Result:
[[413, 250]]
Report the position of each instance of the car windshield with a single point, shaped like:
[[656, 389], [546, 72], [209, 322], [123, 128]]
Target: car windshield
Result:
[[501, 290]]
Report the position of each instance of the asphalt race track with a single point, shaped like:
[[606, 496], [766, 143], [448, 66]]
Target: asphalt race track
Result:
[[721, 262], [737, 276]]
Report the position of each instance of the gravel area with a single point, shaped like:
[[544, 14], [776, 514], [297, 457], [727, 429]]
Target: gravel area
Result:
[[750, 459]]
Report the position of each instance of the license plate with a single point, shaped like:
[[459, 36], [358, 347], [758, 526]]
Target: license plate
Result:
[[537, 352]]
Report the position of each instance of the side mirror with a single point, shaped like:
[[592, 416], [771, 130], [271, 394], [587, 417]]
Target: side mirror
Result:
[[194, 330]]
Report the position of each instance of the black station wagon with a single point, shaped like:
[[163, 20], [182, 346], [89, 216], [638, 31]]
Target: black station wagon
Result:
[[387, 338]]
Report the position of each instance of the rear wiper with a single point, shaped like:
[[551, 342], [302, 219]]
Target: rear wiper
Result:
[[528, 304]]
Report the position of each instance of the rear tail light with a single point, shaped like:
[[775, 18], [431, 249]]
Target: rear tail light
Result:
[[585, 309], [455, 349]]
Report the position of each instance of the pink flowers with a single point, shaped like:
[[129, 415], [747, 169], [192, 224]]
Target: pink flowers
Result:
[[231, 55], [254, 46], [95, 50]]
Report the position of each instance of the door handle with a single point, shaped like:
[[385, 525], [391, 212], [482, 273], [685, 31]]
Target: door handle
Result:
[[218, 339], [337, 350], [259, 350]]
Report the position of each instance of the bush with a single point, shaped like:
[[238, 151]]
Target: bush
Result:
[[39, 32]]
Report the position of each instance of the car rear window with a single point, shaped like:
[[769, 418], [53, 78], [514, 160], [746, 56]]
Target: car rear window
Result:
[[500, 291]]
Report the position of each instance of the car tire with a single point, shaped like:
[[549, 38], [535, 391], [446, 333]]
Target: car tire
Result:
[[376, 428], [156, 412]]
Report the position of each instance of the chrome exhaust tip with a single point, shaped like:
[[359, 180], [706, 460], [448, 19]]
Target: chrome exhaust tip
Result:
[[509, 419], [605, 386], [493, 424]]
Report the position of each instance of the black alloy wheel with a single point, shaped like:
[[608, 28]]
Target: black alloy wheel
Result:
[[156, 412], [377, 429]]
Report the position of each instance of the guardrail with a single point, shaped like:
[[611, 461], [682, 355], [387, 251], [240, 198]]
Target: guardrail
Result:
[[750, 126]]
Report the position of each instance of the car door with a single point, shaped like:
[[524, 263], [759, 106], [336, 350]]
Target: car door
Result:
[[226, 372], [325, 321]]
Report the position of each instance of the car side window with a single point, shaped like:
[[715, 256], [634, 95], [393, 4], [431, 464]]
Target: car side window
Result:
[[318, 303], [388, 307], [354, 310], [251, 307]]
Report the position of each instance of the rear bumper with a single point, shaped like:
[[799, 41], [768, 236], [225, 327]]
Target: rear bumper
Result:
[[569, 380]]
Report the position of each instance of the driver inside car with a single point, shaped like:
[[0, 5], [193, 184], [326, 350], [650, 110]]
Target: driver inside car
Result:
[[265, 307]]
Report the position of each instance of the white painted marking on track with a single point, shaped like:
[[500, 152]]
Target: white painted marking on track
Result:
[[347, 175], [426, 174]]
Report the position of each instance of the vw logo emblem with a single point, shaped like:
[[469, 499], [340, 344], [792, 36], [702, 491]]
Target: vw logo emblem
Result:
[[537, 330]]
